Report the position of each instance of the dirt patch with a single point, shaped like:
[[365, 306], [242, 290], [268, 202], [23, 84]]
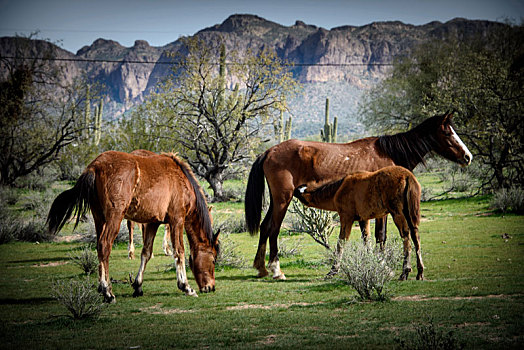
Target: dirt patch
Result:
[[475, 297], [158, 310], [51, 264], [69, 238], [244, 306]]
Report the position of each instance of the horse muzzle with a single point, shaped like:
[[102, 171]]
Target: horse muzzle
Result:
[[207, 289]]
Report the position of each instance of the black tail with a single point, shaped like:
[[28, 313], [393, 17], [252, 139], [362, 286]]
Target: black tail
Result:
[[75, 200], [255, 195]]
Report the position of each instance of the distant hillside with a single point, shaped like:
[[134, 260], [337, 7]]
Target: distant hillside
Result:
[[316, 52]]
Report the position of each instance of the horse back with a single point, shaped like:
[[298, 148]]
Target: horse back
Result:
[[309, 161]]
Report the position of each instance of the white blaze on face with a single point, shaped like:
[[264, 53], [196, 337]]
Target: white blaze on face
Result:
[[462, 145]]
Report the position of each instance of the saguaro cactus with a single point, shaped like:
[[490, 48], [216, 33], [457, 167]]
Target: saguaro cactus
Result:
[[98, 122], [283, 131], [329, 133]]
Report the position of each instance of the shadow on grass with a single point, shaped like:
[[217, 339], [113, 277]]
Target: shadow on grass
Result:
[[29, 301]]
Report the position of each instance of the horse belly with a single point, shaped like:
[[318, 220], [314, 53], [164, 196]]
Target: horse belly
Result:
[[147, 208]]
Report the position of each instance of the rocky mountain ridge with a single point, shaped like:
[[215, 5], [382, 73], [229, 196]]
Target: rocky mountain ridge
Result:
[[349, 54]]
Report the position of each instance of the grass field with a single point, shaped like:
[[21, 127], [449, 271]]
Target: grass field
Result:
[[474, 288]]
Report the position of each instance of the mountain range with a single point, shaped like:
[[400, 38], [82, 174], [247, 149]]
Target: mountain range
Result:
[[365, 52]]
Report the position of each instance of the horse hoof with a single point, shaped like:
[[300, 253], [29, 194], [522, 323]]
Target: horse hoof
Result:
[[192, 293], [138, 293], [403, 277], [109, 299], [420, 277], [331, 274], [280, 277], [262, 273]]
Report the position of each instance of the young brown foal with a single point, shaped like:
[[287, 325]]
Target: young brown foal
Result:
[[369, 195]]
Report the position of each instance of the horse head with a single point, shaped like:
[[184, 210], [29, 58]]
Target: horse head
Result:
[[448, 143], [202, 263]]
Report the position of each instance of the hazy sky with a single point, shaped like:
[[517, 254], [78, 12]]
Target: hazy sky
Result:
[[76, 23]]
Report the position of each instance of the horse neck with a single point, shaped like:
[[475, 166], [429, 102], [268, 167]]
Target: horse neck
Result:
[[323, 196], [409, 148]]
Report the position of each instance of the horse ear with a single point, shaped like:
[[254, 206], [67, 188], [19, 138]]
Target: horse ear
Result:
[[215, 236], [448, 117]]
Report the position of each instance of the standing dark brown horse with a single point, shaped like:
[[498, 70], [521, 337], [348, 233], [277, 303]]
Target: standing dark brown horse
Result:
[[293, 163], [369, 195], [152, 190]]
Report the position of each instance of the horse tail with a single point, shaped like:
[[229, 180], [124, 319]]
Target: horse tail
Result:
[[76, 200], [412, 202], [255, 195]]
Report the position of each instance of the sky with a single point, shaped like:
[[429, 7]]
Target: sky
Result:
[[73, 24]]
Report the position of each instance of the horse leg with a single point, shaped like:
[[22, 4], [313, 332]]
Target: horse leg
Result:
[[416, 241], [131, 245], [177, 238], [148, 235], [380, 231], [346, 222], [403, 229], [143, 229], [260, 257], [166, 245], [279, 212], [106, 234], [365, 230]]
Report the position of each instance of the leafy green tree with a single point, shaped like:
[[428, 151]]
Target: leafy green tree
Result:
[[482, 80], [39, 111], [214, 106]]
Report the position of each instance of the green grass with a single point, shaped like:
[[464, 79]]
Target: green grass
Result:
[[474, 287]]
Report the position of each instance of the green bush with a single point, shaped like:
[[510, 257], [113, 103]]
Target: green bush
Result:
[[368, 269], [80, 297], [86, 259], [319, 224], [228, 255], [13, 227], [509, 200]]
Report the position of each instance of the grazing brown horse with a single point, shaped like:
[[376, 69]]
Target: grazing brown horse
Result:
[[152, 190], [369, 195], [293, 163]]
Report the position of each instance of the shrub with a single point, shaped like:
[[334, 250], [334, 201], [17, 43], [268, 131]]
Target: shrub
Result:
[[429, 337], [12, 227], [287, 249], [8, 195], [86, 258], [80, 297], [228, 255], [230, 223], [509, 200], [315, 222], [368, 269]]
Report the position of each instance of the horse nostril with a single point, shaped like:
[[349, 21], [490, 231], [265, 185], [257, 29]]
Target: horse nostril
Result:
[[467, 158], [213, 288]]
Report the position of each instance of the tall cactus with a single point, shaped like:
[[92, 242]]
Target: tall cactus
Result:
[[87, 112], [98, 122], [329, 133], [283, 131]]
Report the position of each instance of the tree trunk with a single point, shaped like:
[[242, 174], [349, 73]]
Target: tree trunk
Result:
[[216, 183]]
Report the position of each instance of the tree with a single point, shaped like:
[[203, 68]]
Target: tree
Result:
[[38, 111], [482, 80], [216, 103]]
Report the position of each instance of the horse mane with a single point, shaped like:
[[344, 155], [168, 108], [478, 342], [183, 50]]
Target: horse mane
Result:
[[201, 203], [323, 192], [408, 148]]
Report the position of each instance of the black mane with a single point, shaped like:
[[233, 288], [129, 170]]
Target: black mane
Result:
[[409, 148]]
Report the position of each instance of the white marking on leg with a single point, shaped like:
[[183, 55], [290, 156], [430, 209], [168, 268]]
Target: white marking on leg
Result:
[[275, 268], [140, 274], [181, 277], [165, 244], [462, 145]]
